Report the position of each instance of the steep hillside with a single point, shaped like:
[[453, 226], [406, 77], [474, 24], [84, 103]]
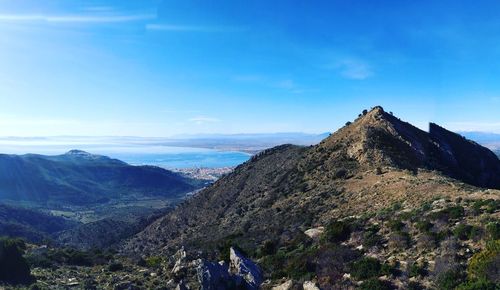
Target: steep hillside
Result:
[[373, 169], [80, 178], [367, 165], [31, 225]]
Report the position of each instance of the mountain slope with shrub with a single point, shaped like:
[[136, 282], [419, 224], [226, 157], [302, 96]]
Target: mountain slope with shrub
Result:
[[372, 170], [31, 225], [81, 178]]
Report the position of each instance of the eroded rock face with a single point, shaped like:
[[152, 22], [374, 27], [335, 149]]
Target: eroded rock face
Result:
[[241, 273], [245, 268], [213, 276]]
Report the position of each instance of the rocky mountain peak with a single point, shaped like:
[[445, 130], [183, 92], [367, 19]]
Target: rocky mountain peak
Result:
[[380, 139]]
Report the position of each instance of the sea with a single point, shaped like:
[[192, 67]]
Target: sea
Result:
[[169, 157]]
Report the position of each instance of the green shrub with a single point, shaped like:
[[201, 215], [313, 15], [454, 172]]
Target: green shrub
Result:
[[387, 269], [450, 279], [484, 265], [371, 237], [452, 212], [268, 247], [336, 232], [13, 266], [366, 268], [477, 285], [493, 230], [466, 232], [375, 284], [424, 226], [417, 270], [395, 225], [115, 266], [412, 285], [153, 261]]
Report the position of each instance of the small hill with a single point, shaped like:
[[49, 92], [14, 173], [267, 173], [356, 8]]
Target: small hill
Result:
[[81, 178], [34, 226]]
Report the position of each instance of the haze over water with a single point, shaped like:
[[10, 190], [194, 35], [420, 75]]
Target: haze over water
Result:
[[134, 153]]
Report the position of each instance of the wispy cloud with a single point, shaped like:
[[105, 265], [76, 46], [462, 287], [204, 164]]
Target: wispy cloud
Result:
[[199, 120], [76, 18], [493, 127], [174, 111], [248, 78], [354, 69], [284, 84], [191, 28]]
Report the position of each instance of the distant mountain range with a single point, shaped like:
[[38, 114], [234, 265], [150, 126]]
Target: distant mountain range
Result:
[[489, 140], [80, 178]]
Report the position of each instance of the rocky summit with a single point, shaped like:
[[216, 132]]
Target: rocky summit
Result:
[[379, 204]]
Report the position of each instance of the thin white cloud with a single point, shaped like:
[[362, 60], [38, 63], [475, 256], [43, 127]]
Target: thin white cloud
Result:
[[73, 18], [173, 111], [190, 28], [286, 84], [248, 78], [492, 127], [354, 69], [199, 120]]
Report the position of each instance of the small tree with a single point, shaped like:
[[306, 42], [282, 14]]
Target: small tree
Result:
[[13, 267]]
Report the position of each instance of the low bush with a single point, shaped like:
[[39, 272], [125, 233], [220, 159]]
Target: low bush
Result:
[[493, 230], [375, 284], [424, 226], [477, 285], [466, 232], [396, 225], [450, 279], [115, 266], [371, 237], [412, 285], [417, 270], [450, 213], [484, 265], [365, 268], [153, 261], [336, 232]]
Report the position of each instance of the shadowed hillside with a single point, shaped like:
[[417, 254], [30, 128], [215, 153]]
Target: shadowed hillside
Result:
[[81, 178]]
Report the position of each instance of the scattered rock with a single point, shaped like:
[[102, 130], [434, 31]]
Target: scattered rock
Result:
[[285, 286], [309, 285], [315, 233]]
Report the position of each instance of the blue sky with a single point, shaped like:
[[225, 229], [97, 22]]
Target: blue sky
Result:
[[161, 68]]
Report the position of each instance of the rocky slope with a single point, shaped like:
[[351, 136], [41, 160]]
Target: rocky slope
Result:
[[367, 165], [375, 165]]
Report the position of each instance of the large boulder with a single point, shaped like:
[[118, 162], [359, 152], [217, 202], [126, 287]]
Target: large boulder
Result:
[[245, 268], [213, 276]]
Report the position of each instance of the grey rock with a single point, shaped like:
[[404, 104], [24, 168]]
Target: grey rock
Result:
[[246, 269]]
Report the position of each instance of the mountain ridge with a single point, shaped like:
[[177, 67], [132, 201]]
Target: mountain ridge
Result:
[[365, 166]]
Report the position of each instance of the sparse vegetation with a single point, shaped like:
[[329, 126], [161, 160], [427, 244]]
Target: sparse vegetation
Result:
[[366, 268], [337, 231]]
